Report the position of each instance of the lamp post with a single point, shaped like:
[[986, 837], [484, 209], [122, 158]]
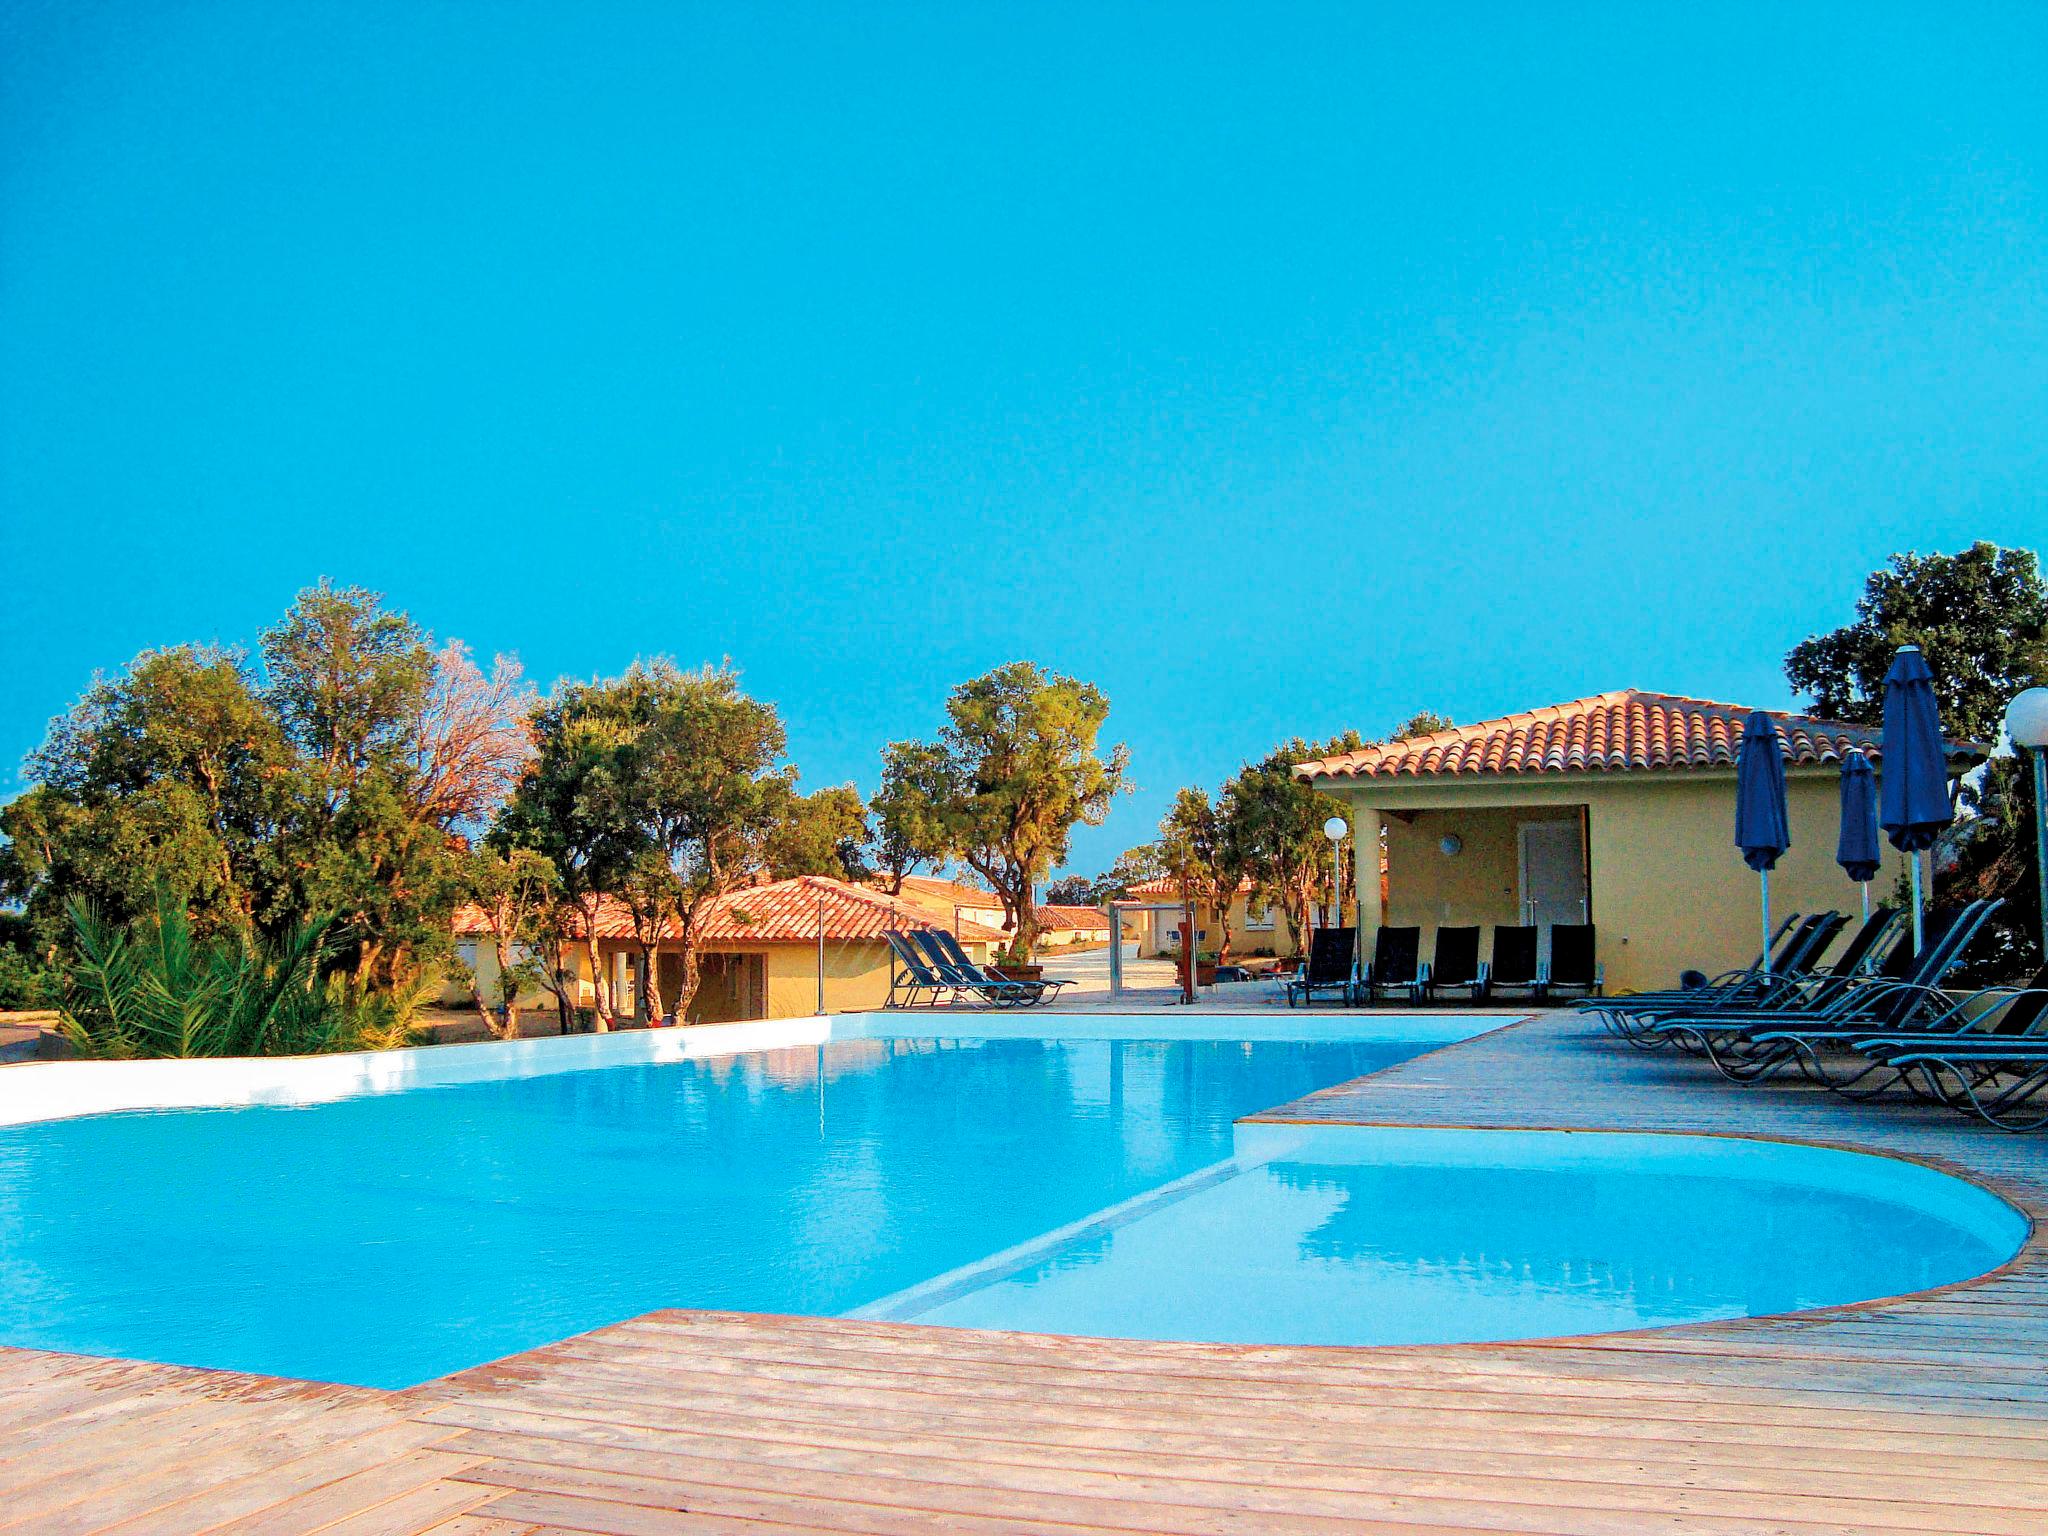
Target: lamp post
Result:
[[2026, 722], [1334, 829]]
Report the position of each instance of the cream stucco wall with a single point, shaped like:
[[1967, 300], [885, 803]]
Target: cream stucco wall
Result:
[[856, 978], [1669, 891]]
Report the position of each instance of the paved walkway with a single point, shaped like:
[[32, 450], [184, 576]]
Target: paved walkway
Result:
[[1927, 1414]]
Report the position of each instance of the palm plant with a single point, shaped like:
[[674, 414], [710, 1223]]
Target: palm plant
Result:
[[151, 988]]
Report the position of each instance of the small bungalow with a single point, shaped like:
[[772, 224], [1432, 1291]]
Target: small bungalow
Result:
[[1257, 926], [759, 952], [1618, 810]]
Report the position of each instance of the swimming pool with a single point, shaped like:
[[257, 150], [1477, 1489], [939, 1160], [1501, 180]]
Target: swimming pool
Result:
[[1074, 1174], [386, 1238]]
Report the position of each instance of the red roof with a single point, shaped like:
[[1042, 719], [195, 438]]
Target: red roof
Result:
[[1621, 732], [1169, 885], [783, 912], [1053, 919]]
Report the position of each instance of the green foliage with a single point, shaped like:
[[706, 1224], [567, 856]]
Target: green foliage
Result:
[[1278, 821], [823, 833], [1201, 845], [151, 987], [1981, 618], [1013, 771], [661, 788], [1133, 867], [1424, 722], [521, 897], [329, 780], [23, 983]]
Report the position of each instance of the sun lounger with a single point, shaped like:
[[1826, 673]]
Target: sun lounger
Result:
[[913, 975], [1747, 1045], [946, 947], [1514, 962], [1396, 969], [970, 980], [1572, 967], [1456, 966], [1328, 968]]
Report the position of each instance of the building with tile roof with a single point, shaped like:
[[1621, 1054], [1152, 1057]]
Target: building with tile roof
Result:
[[1618, 810], [759, 950]]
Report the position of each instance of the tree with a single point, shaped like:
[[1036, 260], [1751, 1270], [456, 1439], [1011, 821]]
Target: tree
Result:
[[1424, 722], [566, 807], [1279, 823], [469, 740], [324, 784], [909, 833], [1201, 847], [1133, 867], [1014, 770], [172, 776], [659, 788], [1981, 619], [824, 833], [521, 898]]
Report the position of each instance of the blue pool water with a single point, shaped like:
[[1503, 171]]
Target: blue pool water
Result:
[[388, 1239], [1380, 1236], [1077, 1185]]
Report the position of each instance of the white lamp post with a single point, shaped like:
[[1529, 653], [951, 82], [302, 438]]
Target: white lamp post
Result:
[[1334, 829], [2026, 722]]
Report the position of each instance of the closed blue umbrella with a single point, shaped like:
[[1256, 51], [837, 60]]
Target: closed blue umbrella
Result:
[[1762, 828], [1856, 850], [1913, 801]]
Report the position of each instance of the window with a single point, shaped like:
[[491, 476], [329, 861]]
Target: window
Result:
[[1257, 914], [466, 953]]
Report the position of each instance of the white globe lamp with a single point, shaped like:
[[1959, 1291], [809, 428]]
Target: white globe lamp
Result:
[[2026, 722]]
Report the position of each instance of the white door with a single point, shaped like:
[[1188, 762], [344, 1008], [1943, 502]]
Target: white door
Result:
[[1553, 877]]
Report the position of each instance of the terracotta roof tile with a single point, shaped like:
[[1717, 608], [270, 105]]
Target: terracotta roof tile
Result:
[[783, 912], [1621, 732], [1054, 919]]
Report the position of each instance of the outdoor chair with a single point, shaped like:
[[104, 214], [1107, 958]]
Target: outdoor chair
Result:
[[1997, 1072], [1041, 991], [1778, 960], [1573, 966], [1396, 969], [1456, 966], [911, 975], [1328, 969], [970, 980], [1750, 1044], [1781, 983], [1514, 961]]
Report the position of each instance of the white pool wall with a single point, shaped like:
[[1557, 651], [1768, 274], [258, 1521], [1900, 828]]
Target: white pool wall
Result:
[[58, 1090]]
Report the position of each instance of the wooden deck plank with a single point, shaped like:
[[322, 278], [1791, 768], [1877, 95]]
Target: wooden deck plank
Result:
[[1920, 1414]]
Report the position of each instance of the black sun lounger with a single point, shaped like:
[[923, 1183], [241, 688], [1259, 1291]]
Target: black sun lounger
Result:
[[1396, 969], [1456, 966], [1328, 969]]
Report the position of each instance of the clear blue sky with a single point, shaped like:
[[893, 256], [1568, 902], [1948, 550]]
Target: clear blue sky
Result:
[[1279, 368]]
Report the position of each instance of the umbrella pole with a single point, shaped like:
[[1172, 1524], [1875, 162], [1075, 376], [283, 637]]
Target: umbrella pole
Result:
[[1864, 887], [1919, 938], [1764, 880]]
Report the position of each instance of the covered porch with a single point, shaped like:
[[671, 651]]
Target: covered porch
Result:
[[1617, 810]]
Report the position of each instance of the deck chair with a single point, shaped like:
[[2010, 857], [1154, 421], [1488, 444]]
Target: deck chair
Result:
[[1514, 961], [1328, 968], [911, 975], [1792, 981], [1456, 966], [1998, 1072], [1396, 969], [1041, 991], [1749, 1045], [1573, 966], [969, 980]]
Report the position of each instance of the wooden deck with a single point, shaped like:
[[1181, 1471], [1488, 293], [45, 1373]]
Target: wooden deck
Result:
[[1929, 1414]]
